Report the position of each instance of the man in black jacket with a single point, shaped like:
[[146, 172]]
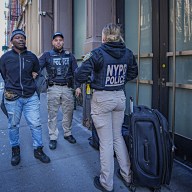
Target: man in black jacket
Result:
[[18, 68]]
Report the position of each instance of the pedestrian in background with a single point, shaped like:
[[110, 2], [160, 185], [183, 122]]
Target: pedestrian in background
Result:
[[60, 65], [111, 65], [17, 67]]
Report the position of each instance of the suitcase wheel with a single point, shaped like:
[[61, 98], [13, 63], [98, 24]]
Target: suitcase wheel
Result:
[[132, 188], [155, 189]]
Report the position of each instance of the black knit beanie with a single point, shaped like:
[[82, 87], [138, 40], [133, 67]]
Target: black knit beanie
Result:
[[16, 32]]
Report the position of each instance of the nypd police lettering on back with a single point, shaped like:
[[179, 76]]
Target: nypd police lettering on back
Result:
[[115, 74]]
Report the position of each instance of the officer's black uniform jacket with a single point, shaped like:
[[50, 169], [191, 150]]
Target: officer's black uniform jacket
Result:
[[60, 67], [110, 67], [16, 70]]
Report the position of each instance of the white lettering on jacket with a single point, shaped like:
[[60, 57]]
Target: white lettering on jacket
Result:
[[115, 75], [58, 61]]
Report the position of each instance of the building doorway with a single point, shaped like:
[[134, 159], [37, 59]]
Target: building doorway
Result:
[[159, 33]]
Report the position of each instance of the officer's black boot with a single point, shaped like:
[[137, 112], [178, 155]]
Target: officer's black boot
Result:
[[15, 155], [39, 154]]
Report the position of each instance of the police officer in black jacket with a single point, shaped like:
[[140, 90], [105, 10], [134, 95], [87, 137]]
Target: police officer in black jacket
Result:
[[110, 66], [60, 65], [18, 67]]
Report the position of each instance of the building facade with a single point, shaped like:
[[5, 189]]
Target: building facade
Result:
[[159, 32]]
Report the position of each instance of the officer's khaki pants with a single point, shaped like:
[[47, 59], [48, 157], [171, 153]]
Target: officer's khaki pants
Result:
[[60, 96], [107, 109]]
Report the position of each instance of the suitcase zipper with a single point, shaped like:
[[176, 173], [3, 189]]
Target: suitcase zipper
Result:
[[164, 148]]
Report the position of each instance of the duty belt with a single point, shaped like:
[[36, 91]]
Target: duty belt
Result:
[[54, 83]]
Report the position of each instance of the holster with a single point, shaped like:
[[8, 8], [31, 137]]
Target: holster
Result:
[[70, 83], [10, 95]]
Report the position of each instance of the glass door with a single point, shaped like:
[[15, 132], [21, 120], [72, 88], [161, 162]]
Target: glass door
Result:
[[159, 33], [180, 76], [138, 38]]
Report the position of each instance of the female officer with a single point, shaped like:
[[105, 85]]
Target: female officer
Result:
[[110, 66]]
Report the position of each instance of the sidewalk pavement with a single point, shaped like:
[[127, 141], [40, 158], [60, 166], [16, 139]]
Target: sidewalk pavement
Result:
[[72, 167]]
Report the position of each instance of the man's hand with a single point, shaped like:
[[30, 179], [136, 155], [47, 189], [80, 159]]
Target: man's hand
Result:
[[34, 74], [77, 92]]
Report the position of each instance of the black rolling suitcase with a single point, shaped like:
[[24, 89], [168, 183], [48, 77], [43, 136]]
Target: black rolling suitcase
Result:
[[150, 148]]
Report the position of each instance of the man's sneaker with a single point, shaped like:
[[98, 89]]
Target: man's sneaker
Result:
[[130, 186], [52, 144], [39, 154], [99, 186], [70, 139], [15, 155]]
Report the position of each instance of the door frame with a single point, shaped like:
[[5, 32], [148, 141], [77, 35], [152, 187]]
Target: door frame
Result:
[[164, 61]]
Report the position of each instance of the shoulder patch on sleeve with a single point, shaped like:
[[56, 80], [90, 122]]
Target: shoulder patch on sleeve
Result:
[[87, 56], [67, 52]]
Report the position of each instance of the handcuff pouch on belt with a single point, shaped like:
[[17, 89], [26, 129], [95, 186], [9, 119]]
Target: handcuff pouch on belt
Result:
[[70, 83], [10, 95]]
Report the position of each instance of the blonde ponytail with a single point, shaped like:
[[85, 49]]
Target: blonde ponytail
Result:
[[112, 33]]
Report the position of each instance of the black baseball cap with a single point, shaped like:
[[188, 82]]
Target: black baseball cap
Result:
[[58, 34], [16, 32]]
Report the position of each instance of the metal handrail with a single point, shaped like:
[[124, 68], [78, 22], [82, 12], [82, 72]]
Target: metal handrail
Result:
[[180, 53], [139, 45], [174, 70]]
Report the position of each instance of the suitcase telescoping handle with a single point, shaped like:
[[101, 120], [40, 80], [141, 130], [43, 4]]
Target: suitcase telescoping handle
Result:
[[139, 107], [131, 104]]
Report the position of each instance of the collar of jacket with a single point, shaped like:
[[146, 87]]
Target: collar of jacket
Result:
[[24, 50], [57, 51]]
